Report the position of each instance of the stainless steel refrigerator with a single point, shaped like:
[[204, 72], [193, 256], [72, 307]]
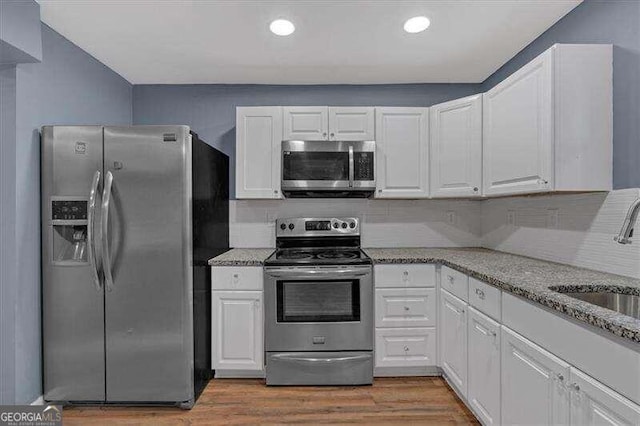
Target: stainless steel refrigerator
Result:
[[130, 216]]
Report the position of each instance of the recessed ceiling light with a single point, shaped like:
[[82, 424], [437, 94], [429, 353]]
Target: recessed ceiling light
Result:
[[417, 24], [282, 27]]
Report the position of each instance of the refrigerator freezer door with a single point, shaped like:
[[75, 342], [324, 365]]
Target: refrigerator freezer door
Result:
[[72, 300], [149, 311]]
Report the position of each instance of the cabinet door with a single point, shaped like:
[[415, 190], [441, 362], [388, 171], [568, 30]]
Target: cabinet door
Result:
[[592, 403], [237, 330], [518, 131], [402, 139], [456, 147], [453, 340], [351, 123], [533, 384], [405, 347], [306, 123], [483, 389], [258, 146]]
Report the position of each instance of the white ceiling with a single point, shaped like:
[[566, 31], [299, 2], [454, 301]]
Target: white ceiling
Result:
[[349, 41]]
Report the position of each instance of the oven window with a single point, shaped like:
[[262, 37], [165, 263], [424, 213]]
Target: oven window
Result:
[[314, 165], [318, 301]]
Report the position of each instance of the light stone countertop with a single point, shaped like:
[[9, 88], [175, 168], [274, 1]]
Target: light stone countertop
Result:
[[530, 278]]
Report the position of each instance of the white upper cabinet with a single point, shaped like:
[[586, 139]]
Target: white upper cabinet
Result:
[[456, 148], [548, 126], [351, 123], [321, 123], [258, 141], [309, 123], [402, 140]]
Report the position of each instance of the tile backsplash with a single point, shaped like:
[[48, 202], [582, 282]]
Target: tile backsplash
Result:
[[385, 223], [575, 229]]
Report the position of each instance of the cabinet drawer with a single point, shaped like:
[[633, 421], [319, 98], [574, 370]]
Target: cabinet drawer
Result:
[[416, 275], [455, 283], [487, 299], [405, 347], [406, 307], [236, 278]]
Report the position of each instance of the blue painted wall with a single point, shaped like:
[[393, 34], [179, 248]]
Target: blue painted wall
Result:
[[210, 109], [20, 39], [7, 231], [68, 87], [602, 21]]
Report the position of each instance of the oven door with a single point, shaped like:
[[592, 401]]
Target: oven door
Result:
[[328, 166], [319, 309]]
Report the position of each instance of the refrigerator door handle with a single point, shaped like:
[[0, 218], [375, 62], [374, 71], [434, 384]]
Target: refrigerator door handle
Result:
[[106, 257], [91, 219]]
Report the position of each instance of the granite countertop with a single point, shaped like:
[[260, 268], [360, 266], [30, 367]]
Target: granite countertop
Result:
[[532, 279], [242, 257]]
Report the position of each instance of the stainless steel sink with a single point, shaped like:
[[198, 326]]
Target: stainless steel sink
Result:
[[626, 304]]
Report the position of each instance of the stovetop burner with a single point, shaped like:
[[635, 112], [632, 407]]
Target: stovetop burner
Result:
[[320, 256]]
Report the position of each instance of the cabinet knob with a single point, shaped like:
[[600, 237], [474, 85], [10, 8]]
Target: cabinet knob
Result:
[[406, 308], [560, 377], [275, 191], [324, 134], [406, 348], [450, 278], [379, 190], [332, 135], [475, 189]]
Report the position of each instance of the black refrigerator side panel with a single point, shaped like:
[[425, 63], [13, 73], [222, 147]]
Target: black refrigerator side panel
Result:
[[210, 238]]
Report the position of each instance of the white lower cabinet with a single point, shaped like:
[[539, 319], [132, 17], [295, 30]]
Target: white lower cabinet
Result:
[[483, 372], [534, 388], [405, 347], [406, 307], [453, 340], [592, 403], [237, 342]]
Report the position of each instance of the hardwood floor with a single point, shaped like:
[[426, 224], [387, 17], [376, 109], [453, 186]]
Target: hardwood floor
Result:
[[403, 400]]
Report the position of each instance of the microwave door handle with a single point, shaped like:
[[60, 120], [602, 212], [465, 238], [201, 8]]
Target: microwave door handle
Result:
[[351, 166]]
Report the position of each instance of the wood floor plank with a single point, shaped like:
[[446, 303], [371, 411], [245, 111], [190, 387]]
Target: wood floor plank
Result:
[[392, 400]]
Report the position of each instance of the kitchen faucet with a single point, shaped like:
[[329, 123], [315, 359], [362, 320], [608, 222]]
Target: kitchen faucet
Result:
[[624, 237]]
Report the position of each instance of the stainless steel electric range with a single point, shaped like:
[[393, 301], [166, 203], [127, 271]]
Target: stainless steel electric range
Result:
[[318, 304]]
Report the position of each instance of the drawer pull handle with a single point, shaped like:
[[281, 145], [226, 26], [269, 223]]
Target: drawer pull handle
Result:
[[480, 293]]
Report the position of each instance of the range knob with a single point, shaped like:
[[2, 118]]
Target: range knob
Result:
[[283, 226], [344, 225], [291, 226], [335, 225], [352, 225]]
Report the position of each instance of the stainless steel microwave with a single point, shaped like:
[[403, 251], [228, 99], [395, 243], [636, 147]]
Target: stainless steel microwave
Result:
[[328, 169]]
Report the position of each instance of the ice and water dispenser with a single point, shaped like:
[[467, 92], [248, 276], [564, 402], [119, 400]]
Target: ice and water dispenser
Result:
[[69, 223]]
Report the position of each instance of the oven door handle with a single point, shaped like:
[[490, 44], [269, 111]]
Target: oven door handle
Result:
[[310, 274], [312, 360]]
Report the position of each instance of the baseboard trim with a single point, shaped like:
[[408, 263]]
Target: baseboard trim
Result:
[[406, 371], [239, 374]]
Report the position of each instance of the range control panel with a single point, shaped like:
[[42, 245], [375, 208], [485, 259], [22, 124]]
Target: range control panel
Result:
[[304, 227], [68, 210]]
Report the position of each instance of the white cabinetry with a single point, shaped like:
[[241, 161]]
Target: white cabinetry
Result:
[[533, 384], [237, 321], [258, 144], [453, 340], [483, 374], [352, 123], [548, 126], [405, 312], [592, 404], [456, 148], [402, 139], [321, 123]]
